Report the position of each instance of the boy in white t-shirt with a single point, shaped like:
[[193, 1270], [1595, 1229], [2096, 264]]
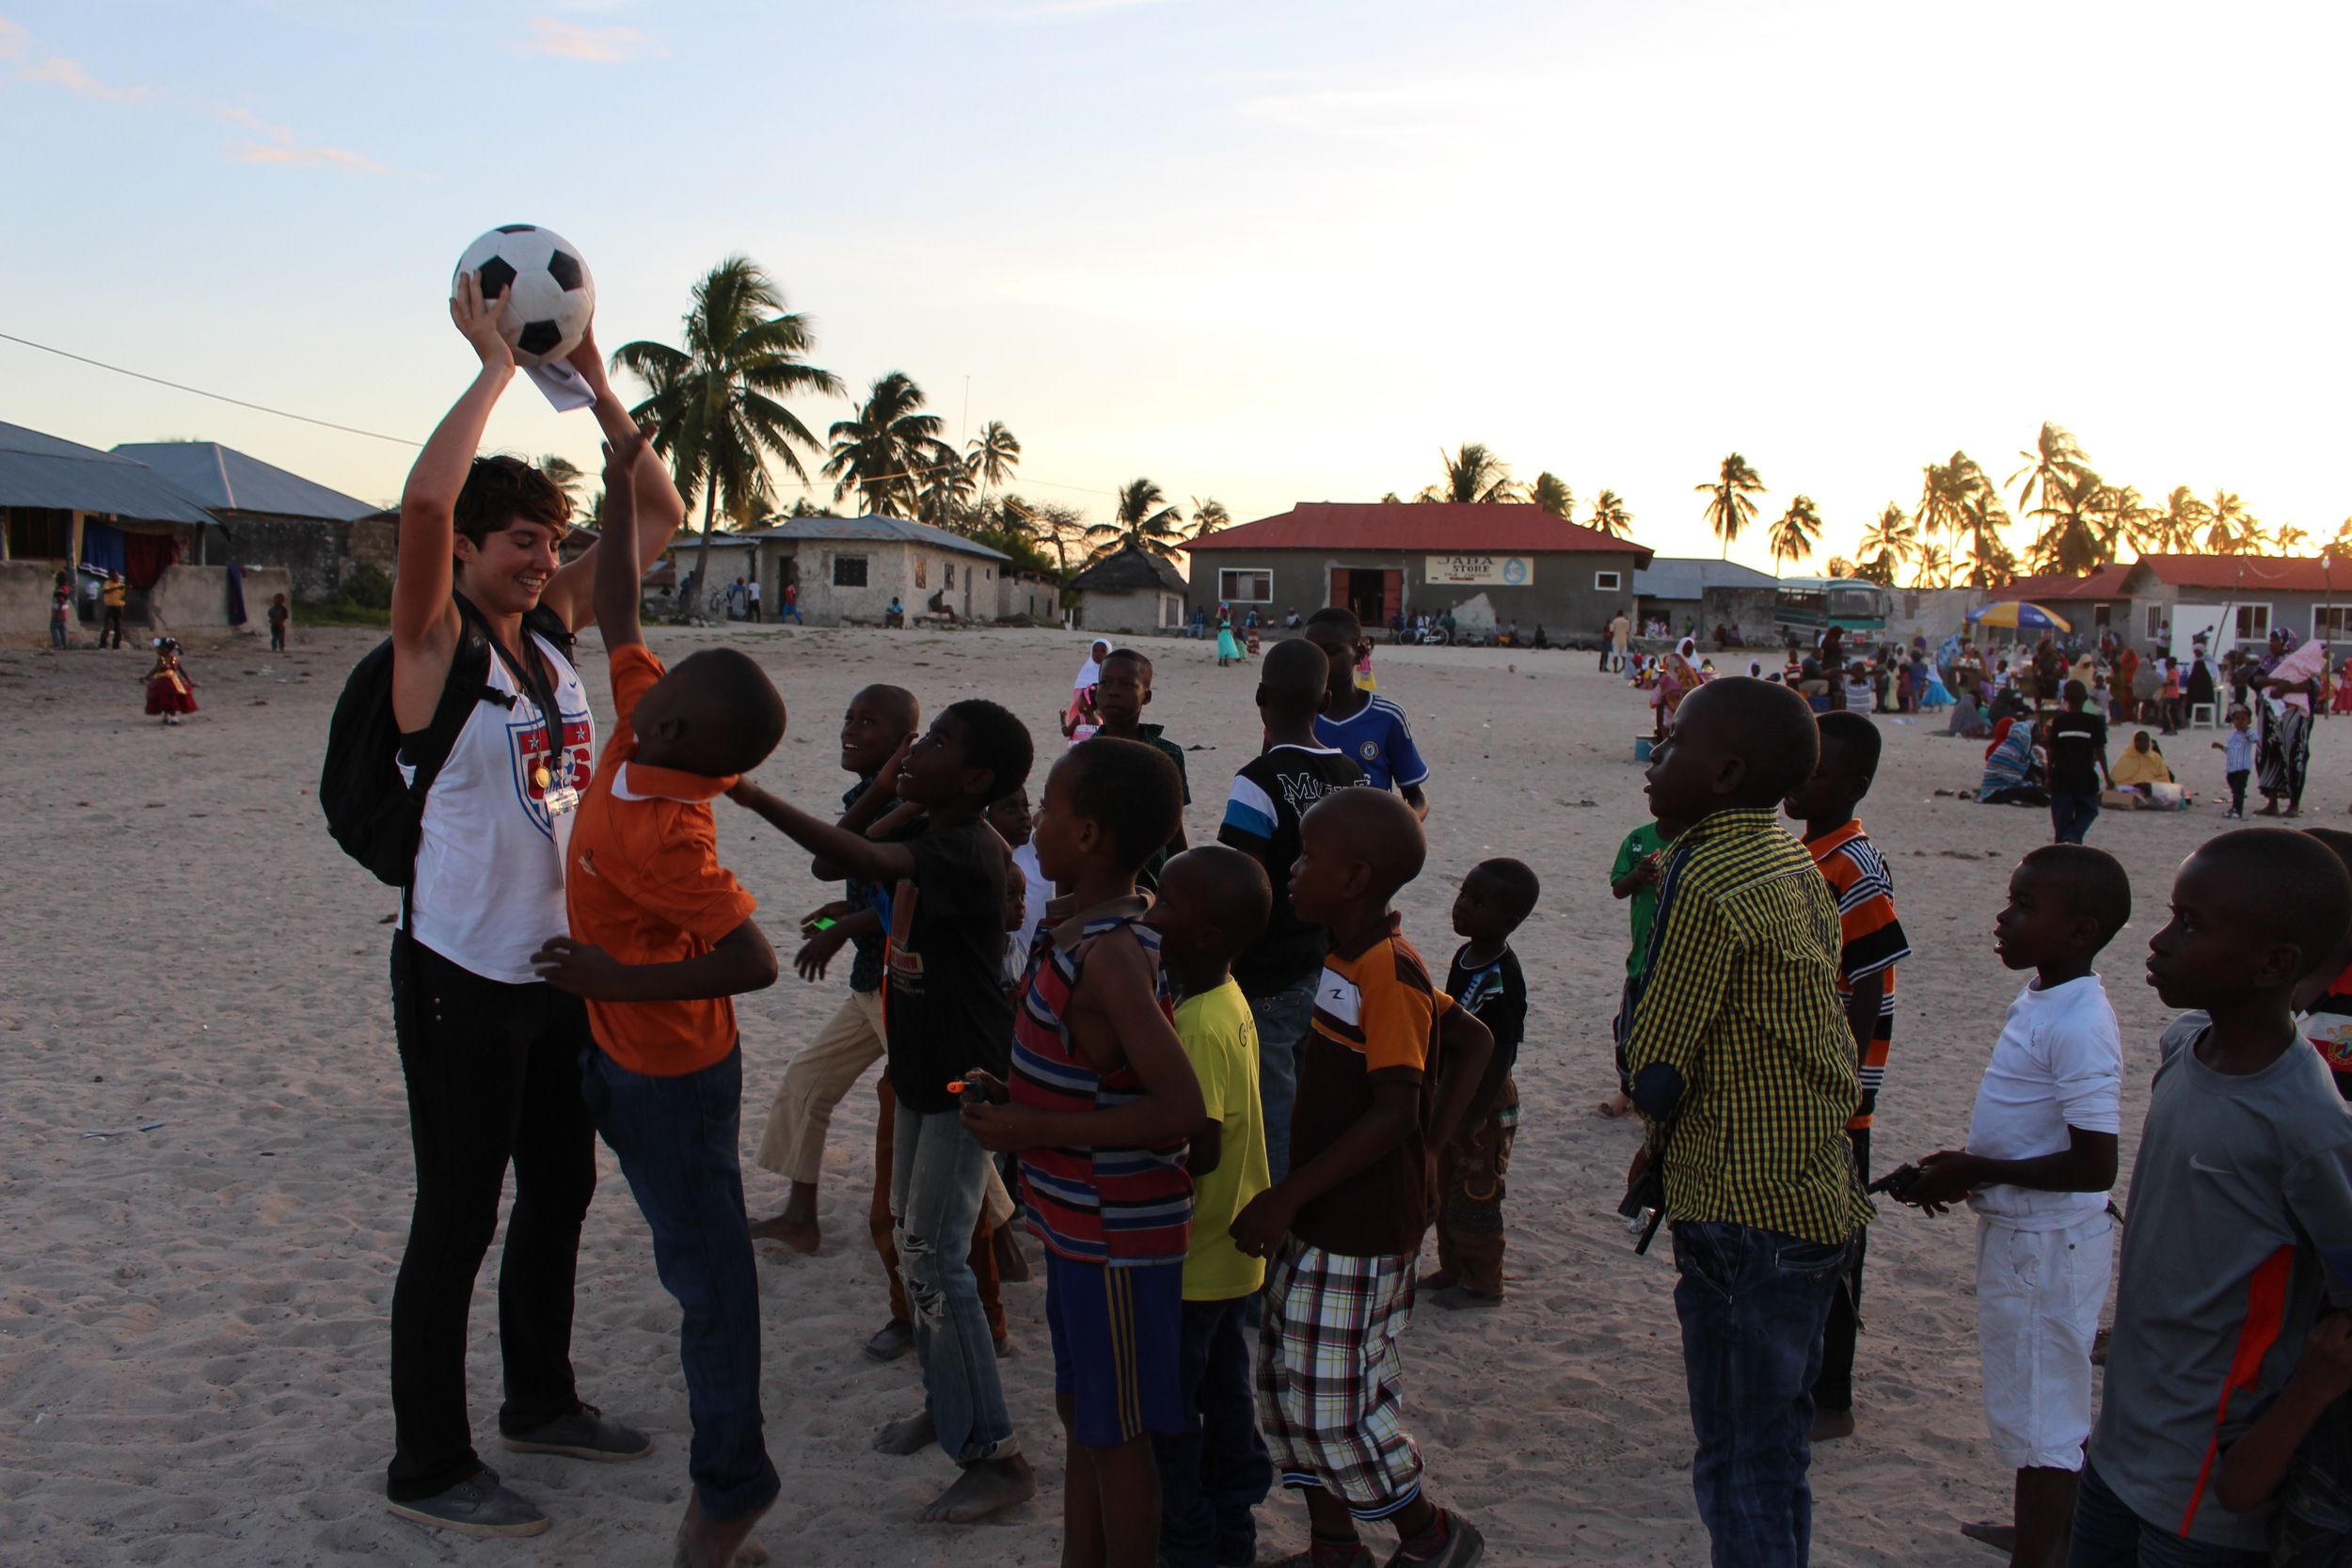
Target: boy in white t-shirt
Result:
[[2040, 1161]]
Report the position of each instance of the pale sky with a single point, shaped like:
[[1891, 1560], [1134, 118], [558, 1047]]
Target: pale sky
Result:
[[1264, 252]]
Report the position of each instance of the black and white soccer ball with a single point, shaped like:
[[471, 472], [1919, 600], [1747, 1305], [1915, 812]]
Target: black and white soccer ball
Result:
[[549, 296]]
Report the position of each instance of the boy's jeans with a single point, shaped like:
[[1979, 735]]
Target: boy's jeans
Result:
[[2107, 1535], [1753, 1303], [1282, 1017], [938, 1179], [1218, 1470], [676, 1142], [2072, 812]]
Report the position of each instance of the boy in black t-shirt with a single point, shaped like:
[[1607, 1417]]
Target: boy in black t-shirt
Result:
[[1485, 982], [1270, 793], [1122, 692], [2078, 766], [947, 1014]]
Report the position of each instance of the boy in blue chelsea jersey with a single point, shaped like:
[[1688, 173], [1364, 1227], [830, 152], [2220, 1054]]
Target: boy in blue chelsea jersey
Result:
[[1369, 730]]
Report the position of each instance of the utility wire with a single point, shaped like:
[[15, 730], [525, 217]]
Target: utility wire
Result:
[[218, 397]]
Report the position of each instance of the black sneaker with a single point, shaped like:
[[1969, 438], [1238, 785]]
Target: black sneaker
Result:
[[893, 1340], [478, 1505], [1462, 1548], [585, 1433]]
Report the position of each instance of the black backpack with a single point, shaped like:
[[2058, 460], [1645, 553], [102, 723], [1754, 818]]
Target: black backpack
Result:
[[374, 816]]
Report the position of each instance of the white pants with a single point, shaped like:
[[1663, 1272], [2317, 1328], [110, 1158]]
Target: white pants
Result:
[[2038, 1294], [823, 1071]]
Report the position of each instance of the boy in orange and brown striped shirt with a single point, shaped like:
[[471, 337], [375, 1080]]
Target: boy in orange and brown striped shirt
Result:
[[1872, 943]]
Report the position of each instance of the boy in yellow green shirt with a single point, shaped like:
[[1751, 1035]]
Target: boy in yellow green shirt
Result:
[[1213, 902]]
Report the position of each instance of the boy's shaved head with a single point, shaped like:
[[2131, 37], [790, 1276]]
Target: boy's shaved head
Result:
[[2289, 886], [1855, 738], [1763, 724], [1293, 676], [1379, 829], [1515, 881], [716, 714], [1226, 887], [1130, 788], [2088, 881], [1337, 619], [1130, 653], [897, 701]]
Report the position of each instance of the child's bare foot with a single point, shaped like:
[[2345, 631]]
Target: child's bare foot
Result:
[[2000, 1534], [795, 1225], [704, 1543], [1617, 1107], [912, 1435], [988, 1487]]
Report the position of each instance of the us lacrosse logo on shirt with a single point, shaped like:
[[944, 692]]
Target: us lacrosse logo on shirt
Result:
[[533, 755]]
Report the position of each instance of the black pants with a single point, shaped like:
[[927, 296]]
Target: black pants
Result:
[[110, 625], [493, 1076], [1833, 1388]]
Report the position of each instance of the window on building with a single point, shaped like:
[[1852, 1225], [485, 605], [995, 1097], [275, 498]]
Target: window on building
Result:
[[849, 571], [2156, 621], [2253, 623], [922, 573], [1608, 582], [1235, 586], [951, 575], [39, 532], [2332, 622]]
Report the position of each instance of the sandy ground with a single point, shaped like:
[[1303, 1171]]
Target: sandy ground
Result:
[[192, 1319]]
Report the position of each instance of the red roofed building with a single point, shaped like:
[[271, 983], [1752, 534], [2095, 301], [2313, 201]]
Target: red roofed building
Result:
[[1490, 565], [2168, 602]]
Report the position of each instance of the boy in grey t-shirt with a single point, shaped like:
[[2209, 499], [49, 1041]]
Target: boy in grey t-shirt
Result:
[[2242, 1185]]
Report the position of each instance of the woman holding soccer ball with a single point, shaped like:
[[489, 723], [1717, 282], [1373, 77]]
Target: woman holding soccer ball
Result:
[[490, 1052]]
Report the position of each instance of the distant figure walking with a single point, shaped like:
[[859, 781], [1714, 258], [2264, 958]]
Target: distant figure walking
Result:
[[110, 602]]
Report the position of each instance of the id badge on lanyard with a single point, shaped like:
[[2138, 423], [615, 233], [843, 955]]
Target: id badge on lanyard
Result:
[[562, 802]]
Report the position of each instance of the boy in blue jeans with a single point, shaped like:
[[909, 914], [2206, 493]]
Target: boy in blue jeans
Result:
[[662, 938]]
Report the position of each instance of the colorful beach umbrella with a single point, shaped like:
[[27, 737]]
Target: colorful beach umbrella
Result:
[[2020, 616]]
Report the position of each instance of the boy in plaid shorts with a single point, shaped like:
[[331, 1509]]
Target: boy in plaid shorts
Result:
[[1387, 1071]]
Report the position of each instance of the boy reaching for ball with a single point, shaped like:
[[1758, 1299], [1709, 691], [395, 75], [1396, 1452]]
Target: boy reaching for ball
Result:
[[662, 938]]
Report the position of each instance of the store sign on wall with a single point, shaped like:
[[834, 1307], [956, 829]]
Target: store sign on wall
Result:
[[1509, 571]]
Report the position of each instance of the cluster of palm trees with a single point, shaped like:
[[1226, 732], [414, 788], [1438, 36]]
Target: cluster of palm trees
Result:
[[1956, 534], [715, 407], [1475, 475]]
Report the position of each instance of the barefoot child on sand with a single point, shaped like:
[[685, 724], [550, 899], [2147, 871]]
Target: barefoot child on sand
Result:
[[662, 938], [1213, 904], [1388, 1069], [1486, 982], [948, 1016], [1100, 1104], [879, 721], [2040, 1161]]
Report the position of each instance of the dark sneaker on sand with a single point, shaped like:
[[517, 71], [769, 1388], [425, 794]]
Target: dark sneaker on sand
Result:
[[1463, 1547], [892, 1341], [585, 1433], [478, 1505]]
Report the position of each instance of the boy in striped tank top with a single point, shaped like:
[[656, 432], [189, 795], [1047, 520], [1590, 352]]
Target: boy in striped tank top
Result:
[[1101, 1106]]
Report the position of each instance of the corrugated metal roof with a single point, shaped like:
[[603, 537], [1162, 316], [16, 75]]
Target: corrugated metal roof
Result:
[[890, 530], [2249, 574], [227, 479], [1689, 577], [1131, 568], [2107, 582], [1442, 527], [42, 470]]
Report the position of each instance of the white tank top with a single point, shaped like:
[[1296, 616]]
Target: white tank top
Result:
[[490, 887]]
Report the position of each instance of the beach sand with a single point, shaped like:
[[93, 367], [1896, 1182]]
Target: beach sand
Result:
[[192, 1333]]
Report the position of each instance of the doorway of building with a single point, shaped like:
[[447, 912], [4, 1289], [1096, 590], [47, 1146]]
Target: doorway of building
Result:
[[1373, 593]]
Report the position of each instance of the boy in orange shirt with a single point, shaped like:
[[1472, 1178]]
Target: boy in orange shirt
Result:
[[662, 937]]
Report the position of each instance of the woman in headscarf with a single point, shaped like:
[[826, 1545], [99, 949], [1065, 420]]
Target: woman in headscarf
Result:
[[1228, 651], [1677, 679], [1967, 717], [1081, 710], [2289, 679], [2010, 774], [2141, 766]]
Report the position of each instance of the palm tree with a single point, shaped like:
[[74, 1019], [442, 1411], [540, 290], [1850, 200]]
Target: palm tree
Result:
[[713, 406], [2183, 519], [1944, 496], [1798, 529], [1473, 474], [1886, 544], [943, 497], [1552, 493], [2056, 458], [567, 475], [1209, 516], [2080, 533], [2286, 539], [1982, 517], [887, 449], [1729, 508], [1611, 515], [1935, 566], [990, 457], [2229, 528], [1144, 521]]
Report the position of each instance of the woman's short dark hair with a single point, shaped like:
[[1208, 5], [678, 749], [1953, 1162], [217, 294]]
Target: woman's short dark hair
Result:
[[502, 490]]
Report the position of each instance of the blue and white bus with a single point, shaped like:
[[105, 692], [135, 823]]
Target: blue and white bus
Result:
[[1809, 606]]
